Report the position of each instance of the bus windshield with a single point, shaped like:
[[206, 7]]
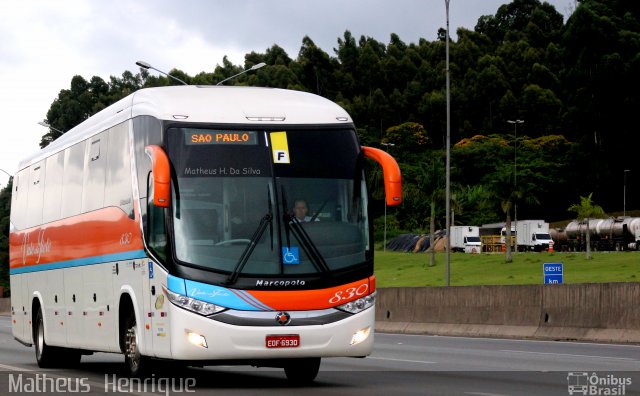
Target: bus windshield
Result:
[[235, 201]]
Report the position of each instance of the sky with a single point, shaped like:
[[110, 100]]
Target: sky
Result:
[[46, 42]]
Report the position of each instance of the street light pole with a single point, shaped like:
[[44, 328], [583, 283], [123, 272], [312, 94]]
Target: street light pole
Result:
[[384, 246], [6, 173], [147, 66], [624, 195], [254, 67], [515, 174], [448, 162], [46, 125]]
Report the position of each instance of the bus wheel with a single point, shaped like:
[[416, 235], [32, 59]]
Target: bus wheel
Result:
[[135, 363], [45, 354], [302, 371], [49, 356]]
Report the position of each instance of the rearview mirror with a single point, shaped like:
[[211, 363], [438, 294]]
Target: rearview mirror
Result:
[[161, 175], [390, 173]]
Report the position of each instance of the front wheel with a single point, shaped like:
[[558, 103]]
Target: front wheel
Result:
[[136, 365], [302, 371]]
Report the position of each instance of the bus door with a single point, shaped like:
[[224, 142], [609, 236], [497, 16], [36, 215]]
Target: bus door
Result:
[[158, 307]]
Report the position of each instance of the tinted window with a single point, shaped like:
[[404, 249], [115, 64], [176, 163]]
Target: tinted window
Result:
[[72, 180], [19, 199], [321, 154], [147, 130], [118, 191], [36, 193], [53, 188], [95, 170]]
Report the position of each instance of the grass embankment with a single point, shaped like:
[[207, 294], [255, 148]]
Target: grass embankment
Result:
[[395, 269]]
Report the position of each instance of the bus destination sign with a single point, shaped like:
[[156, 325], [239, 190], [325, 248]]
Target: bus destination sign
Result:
[[207, 136]]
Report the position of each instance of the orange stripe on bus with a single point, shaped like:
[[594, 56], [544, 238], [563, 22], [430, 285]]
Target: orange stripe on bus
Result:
[[101, 232]]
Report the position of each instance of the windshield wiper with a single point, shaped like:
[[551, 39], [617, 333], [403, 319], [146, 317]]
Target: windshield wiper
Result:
[[292, 224], [308, 246], [244, 258]]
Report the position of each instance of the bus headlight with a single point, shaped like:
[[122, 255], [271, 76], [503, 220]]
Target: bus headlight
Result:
[[191, 304], [197, 339], [360, 336], [359, 305]]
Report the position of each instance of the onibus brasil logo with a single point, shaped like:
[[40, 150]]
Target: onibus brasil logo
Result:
[[584, 383]]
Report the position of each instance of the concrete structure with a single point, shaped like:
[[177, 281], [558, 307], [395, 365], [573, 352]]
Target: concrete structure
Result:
[[5, 306], [607, 312]]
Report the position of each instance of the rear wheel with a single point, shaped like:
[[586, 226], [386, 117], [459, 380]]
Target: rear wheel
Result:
[[302, 371], [49, 356], [45, 354]]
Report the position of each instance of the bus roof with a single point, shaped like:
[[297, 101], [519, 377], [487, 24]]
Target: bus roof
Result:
[[205, 104]]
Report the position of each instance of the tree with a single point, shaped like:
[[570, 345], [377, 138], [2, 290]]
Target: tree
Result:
[[5, 204], [316, 68], [502, 187], [434, 180], [585, 210]]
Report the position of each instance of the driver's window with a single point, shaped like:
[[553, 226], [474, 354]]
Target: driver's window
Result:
[[157, 235]]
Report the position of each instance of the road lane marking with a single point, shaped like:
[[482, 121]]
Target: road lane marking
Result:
[[13, 368], [401, 360], [570, 355]]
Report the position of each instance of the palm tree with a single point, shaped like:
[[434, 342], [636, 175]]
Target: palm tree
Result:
[[585, 210], [502, 186], [429, 187]]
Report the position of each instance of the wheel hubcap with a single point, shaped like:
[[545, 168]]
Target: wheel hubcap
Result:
[[40, 339], [131, 350]]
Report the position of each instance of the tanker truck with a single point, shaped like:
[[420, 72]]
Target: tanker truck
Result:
[[614, 233]]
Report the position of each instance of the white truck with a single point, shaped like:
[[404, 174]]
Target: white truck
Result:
[[533, 235], [466, 239]]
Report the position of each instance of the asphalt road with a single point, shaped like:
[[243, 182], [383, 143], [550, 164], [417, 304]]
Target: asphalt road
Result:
[[400, 365]]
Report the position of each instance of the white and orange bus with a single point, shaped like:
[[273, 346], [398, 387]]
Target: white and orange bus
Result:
[[162, 228]]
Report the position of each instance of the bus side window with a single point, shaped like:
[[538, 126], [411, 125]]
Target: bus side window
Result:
[[156, 231], [118, 191], [95, 164], [19, 199], [36, 194]]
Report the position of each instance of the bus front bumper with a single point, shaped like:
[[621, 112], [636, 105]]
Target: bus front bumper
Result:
[[195, 337]]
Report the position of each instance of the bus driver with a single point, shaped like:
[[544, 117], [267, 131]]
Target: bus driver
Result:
[[300, 210]]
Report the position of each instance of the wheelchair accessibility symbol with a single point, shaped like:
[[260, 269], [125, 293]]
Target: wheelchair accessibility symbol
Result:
[[290, 255]]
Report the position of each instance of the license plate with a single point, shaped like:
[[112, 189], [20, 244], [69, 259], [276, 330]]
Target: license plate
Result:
[[283, 341]]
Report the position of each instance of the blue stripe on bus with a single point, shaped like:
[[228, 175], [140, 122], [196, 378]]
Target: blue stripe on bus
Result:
[[221, 296], [131, 255], [176, 285]]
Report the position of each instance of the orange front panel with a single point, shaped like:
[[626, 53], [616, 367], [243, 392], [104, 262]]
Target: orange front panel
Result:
[[299, 300]]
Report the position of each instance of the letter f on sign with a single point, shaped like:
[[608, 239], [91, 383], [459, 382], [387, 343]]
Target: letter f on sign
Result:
[[280, 147], [281, 157]]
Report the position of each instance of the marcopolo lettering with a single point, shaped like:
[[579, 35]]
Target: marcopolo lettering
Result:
[[283, 283]]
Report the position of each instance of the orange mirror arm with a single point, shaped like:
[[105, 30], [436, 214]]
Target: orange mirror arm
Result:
[[390, 173], [161, 175]]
